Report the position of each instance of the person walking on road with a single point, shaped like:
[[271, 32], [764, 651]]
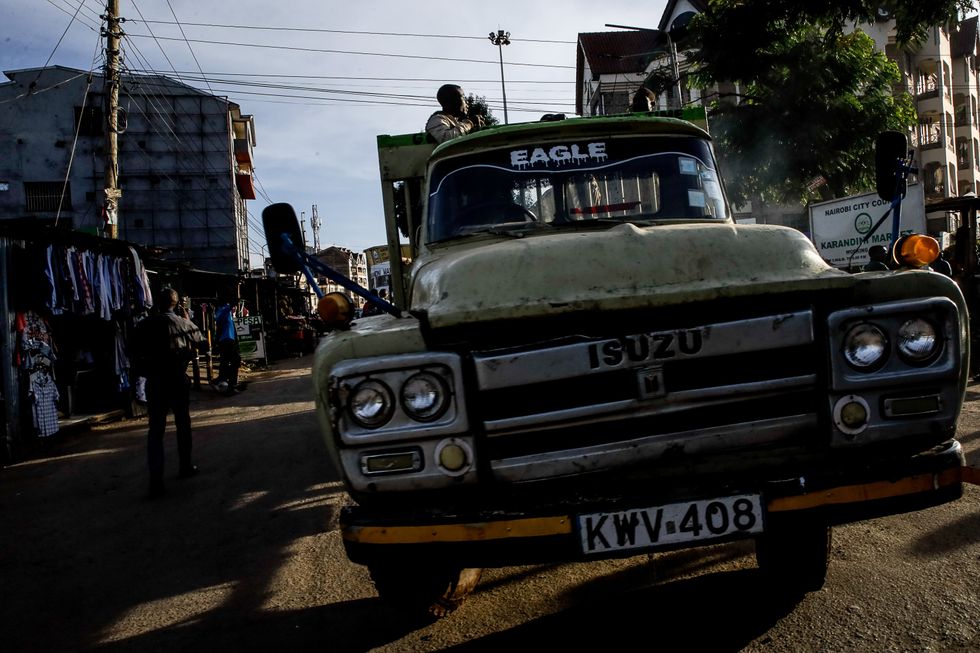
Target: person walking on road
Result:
[[224, 318], [164, 344]]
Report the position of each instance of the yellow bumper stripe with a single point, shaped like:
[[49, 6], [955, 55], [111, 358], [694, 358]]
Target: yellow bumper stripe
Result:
[[867, 492], [498, 530], [562, 524]]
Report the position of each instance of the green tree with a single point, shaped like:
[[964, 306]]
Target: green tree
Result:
[[812, 95], [478, 107]]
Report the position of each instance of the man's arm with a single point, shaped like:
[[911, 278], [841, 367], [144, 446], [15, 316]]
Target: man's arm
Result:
[[443, 128]]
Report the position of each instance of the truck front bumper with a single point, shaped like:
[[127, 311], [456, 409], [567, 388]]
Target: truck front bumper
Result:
[[493, 538]]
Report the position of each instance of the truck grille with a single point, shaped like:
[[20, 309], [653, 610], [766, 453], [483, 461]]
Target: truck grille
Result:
[[600, 403]]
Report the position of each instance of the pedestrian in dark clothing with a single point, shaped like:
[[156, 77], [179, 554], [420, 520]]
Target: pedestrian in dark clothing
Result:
[[163, 345], [231, 360], [878, 255], [942, 266]]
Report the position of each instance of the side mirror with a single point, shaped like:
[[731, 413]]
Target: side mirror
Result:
[[890, 148], [279, 219]]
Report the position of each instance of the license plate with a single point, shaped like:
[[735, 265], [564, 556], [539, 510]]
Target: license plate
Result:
[[673, 523]]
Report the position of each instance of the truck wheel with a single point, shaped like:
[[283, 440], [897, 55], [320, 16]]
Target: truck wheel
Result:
[[425, 590], [794, 556]]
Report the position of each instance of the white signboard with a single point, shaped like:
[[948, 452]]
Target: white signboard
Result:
[[838, 226]]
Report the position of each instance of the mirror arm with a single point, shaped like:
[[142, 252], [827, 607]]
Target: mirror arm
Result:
[[903, 168], [307, 263]]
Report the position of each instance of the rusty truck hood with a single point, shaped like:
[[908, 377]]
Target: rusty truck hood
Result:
[[622, 267]]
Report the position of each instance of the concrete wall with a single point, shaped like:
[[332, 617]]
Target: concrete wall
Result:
[[176, 163]]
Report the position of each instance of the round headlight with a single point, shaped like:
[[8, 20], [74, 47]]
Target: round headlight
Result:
[[917, 339], [424, 397], [370, 404], [865, 346]]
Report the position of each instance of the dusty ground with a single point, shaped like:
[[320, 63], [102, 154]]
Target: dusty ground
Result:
[[245, 556]]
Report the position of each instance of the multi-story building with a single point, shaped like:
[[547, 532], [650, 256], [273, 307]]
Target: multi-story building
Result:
[[940, 74], [352, 265], [609, 68], [185, 162]]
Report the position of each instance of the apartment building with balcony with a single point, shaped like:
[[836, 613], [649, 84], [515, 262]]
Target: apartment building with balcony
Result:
[[185, 162], [941, 75]]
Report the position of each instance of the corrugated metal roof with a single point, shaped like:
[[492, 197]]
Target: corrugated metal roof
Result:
[[609, 53]]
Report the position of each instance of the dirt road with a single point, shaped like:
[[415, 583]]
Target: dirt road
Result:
[[246, 557]]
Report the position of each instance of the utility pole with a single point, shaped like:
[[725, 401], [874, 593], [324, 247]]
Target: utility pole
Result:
[[500, 38], [302, 227], [111, 88], [315, 225]]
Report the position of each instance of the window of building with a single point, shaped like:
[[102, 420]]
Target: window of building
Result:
[[952, 177], [932, 177], [45, 196], [89, 122], [929, 131], [976, 154], [963, 147]]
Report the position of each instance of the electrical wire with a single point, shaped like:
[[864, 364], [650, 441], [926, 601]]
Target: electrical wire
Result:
[[355, 52], [56, 45], [360, 33], [42, 90], [194, 56], [85, 22], [78, 129], [159, 45], [377, 79], [369, 94]]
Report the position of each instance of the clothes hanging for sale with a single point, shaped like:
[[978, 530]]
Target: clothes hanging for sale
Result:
[[36, 356], [44, 396]]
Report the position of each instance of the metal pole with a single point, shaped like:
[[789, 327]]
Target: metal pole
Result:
[[112, 74], [503, 87], [673, 70], [500, 38], [8, 374]]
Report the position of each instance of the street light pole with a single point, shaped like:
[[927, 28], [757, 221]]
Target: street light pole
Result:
[[500, 38], [671, 51]]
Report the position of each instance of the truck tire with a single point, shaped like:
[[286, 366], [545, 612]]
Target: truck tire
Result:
[[793, 556], [422, 589]]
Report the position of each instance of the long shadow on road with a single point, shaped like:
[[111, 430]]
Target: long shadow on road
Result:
[[85, 559]]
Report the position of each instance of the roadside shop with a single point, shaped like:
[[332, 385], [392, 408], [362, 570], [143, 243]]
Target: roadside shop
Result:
[[68, 304]]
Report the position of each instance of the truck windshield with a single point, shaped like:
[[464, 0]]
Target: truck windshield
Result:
[[574, 184]]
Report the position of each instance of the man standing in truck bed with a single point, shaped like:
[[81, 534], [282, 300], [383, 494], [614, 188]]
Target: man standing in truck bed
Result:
[[452, 120]]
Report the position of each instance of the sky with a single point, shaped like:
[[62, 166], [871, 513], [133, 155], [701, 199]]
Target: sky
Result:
[[316, 139]]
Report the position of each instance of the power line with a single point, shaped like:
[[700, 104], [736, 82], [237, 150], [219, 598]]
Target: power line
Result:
[[343, 31], [367, 79], [157, 42], [65, 11], [56, 45], [351, 101], [194, 56], [367, 94], [42, 90], [354, 52]]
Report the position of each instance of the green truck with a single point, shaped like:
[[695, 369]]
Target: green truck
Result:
[[591, 359]]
